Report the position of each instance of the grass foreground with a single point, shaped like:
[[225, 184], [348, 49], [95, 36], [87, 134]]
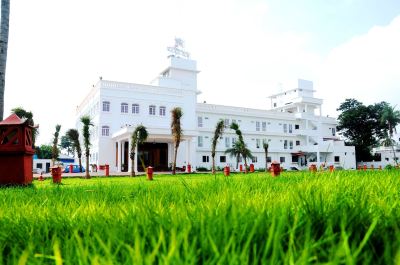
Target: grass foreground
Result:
[[344, 217]]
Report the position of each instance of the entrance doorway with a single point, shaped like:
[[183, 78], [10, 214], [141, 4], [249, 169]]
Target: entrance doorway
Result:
[[153, 154]]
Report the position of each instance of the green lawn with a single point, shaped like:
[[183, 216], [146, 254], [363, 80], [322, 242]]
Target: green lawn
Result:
[[298, 218]]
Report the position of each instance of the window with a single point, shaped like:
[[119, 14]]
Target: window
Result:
[[290, 144], [268, 159], [290, 128], [285, 128], [296, 126], [206, 159], [39, 165], [106, 106], [200, 122], [240, 159], [105, 130], [124, 108], [234, 121], [258, 143], [162, 111], [264, 126], [295, 159], [297, 142], [135, 108], [337, 159], [285, 144], [333, 131], [226, 123], [254, 159], [227, 142], [274, 105], [282, 159], [257, 126], [200, 141], [233, 141], [222, 159], [152, 110]]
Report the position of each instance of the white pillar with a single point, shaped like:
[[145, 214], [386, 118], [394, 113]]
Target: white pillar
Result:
[[129, 155], [188, 154], [136, 159], [320, 110], [119, 157]]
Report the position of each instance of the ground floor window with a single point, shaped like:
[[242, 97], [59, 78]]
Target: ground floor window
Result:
[[268, 159], [39, 165], [222, 159], [337, 158], [282, 159], [254, 159], [295, 159], [206, 159]]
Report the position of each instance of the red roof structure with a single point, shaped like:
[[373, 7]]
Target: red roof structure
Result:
[[13, 119]]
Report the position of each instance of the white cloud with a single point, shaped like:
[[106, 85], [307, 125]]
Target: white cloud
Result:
[[365, 68]]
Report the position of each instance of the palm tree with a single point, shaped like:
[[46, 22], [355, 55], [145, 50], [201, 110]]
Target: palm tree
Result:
[[391, 118], [244, 151], [177, 132], [266, 146], [235, 151], [219, 130], [139, 135], [55, 151], [86, 141], [5, 14], [73, 135]]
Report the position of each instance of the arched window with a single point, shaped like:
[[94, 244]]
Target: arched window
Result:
[[105, 131], [162, 111], [106, 106], [152, 110], [124, 108], [135, 108]]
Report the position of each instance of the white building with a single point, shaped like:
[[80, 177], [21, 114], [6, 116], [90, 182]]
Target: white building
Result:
[[293, 126]]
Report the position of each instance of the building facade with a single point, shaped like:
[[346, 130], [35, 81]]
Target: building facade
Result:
[[293, 126]]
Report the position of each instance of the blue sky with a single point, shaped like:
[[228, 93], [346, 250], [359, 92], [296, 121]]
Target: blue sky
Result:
[[244, 49]]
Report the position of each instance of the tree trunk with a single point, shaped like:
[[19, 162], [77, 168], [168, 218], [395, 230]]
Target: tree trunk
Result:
[[266, 160], [174, 164], [87, 175], [213, 163], [237, 162], [80, 163], [394, 155], [5, 14], [133, 165], [245, 165]]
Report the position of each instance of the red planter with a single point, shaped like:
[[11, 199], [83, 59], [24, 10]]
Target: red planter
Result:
[[56, 174]]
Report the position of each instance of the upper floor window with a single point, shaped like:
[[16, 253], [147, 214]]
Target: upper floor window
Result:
[[200, 141], [152, 110], [226, 123], [296, 126], [162, 111], [285, 128], [106, 106], [233, 141], [264, 126], [105, 130], [199, 121], [135, 108], [227, 142], [290, 144], [285, 144], [124, 107], [257, 126], [290, 128], [258, 143], [333, 131]]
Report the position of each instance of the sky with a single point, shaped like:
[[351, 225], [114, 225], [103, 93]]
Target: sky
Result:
[[245, 50]]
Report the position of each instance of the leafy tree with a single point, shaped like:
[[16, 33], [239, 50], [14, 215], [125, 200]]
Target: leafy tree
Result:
[[390, 119], [235, 151], [266, 146], [219, 130], [23, 114], [86, 121], [4, 26], [73, 135], [44, 151], [66, 144], [177, 132], [55, 151], [139, 136], [242, 147]]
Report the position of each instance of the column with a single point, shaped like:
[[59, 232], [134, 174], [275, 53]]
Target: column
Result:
[[119, 157], [320, 110], [136, 159], [188, 154], [129, 155]]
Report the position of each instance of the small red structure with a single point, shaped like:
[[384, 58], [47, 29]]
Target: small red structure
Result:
[[331, 168], [359, 167], [16, 151], [365, 167], [313, 168], [241, 167], [107, 169], [251, 168], [150, 173], [275, 168], [380, 167], [227, 171], [71, 168], [56, 174], [41, 176], [189, 168]]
